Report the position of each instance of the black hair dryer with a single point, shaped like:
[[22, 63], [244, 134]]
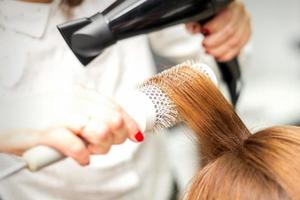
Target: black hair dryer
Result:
[[88, 37]]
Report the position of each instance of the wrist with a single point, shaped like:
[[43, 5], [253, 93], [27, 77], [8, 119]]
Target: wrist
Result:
[[16, 142]]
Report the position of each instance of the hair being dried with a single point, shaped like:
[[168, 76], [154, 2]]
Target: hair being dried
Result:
[[236, 164], [73, 3]]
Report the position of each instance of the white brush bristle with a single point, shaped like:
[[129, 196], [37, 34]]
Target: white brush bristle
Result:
[[165, 110], [200, 67], [166, 114]]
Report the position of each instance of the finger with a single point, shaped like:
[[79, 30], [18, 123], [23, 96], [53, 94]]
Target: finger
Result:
[[98, 133], [230, 44], [193, 27], [197, 28], [217, 22], [231, 54], [76, 123], [69, 144], [98, 149], [118, 129], [189, 27], [222, 35], [235, 51], [134, 133], [218, 38], [225, 24]]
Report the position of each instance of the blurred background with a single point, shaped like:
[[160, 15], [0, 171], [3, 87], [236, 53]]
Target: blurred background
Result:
[[271, 93]]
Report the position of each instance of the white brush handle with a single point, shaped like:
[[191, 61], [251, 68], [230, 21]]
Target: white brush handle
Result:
[[41, 156], [137, 105]]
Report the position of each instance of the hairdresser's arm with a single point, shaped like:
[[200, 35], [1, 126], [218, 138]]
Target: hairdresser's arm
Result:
[[227, 33], [18, 141], [77, 124]]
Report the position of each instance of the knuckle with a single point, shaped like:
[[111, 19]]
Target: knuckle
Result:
[[210, 25], [229, 56], [215, 53], [234, 42], [119, 140], [117, 122], [84, 160], [99, 138], [104, 150], [94, 149], [103, 137], [85, 133], [206, 43], [97, 133], [229, 31], [76, 148], [225, 58]]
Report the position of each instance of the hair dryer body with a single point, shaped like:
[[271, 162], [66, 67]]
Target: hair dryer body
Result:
[[88, 37]]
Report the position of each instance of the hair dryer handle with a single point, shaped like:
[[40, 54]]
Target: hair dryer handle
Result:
[[231, 74]]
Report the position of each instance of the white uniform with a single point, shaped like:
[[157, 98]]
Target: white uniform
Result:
[[33, 59]]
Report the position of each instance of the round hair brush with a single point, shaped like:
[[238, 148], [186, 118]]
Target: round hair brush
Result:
[[149, 106]]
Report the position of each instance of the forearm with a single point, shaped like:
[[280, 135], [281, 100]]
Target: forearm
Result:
[[18, 141]]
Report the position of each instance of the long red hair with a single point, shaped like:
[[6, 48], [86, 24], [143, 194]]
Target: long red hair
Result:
[[236, 164], [73, 2]]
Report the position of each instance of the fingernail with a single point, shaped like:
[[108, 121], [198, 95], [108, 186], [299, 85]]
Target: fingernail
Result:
[[139, 136], [205, 32]]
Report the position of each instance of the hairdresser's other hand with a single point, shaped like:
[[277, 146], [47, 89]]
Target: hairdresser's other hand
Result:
[[77, 123], [227, 33], [97, 121], [108, 124]]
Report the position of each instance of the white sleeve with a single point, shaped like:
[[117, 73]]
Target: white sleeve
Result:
[[176, 45]]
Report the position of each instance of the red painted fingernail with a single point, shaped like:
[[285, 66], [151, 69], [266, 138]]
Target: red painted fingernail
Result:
[[139, 136], [205, 32]]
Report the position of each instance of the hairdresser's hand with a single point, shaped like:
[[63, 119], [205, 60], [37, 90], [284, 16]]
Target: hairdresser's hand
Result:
[[108, 124], [227, 33], [77, 123]]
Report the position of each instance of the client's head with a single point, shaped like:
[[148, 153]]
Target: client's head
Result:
[[236, 164]]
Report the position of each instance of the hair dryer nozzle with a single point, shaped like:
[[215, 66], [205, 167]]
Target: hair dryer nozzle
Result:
[[67, 31], [87, 37]]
